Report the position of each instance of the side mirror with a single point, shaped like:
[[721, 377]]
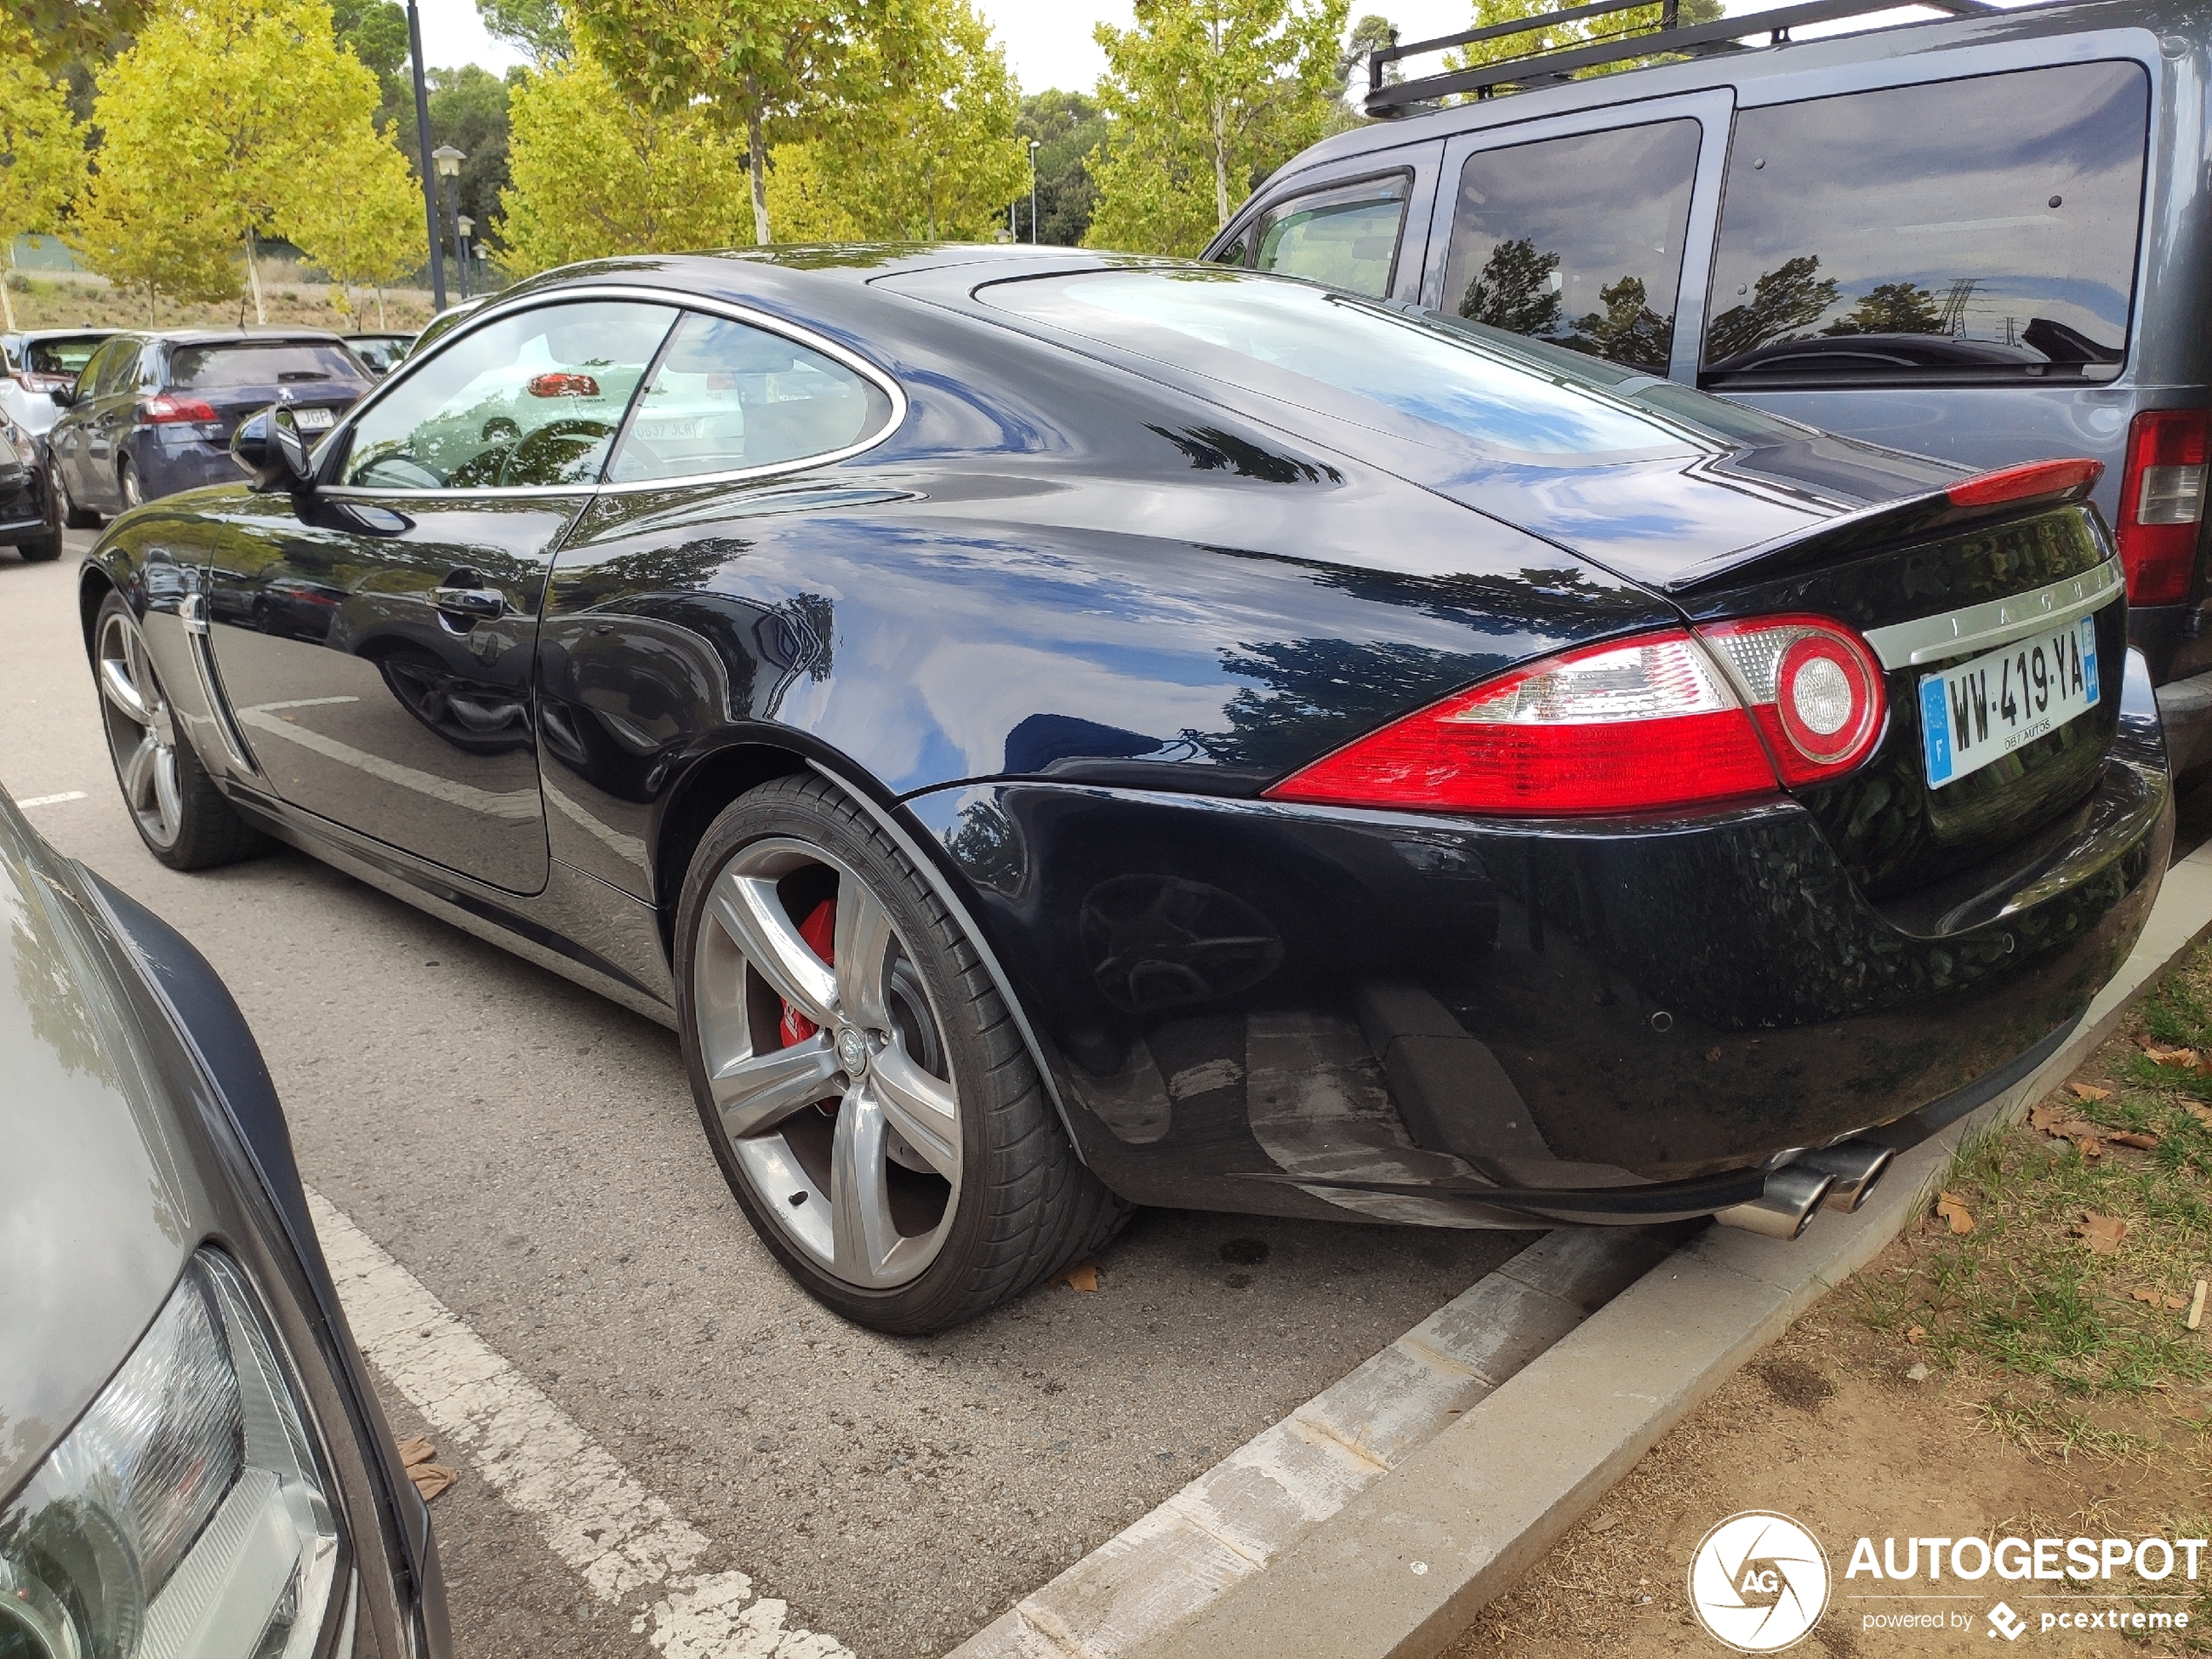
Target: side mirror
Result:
[[271, 450]]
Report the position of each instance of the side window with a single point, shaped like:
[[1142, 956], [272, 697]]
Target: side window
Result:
[[726, 396], [1979, 229], [1346, 236], [1578, 240], [117, 370], [530, 401]]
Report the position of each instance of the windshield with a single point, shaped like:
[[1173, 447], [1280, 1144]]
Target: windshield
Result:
[[60, 354], [278, 363], [1305, 345]]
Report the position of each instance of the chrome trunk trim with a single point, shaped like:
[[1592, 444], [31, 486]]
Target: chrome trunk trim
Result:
[[1995, 622]]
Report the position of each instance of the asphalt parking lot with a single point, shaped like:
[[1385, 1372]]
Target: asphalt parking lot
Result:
[[529, 1153]]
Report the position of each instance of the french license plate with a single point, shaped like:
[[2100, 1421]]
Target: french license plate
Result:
[[313, 420], [1988, 706], [679, 426]]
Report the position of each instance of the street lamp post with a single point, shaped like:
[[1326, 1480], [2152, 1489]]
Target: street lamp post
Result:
[[464, 249], [423, 148], [1034, 145], [448, 161]]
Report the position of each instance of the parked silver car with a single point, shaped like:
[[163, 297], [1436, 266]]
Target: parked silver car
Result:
[[38, 363]]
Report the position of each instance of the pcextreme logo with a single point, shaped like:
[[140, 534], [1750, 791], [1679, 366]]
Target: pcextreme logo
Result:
[[1758, 1582]]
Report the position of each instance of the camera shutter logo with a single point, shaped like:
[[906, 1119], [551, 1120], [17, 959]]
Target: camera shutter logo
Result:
[[1758, 1582]]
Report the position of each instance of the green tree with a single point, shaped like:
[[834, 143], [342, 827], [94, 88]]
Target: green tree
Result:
[[1206, 97], [375, 31], [41, 151], [1891, 308], [370, 234], [221, 121], [934, 154], [1068, 127], [771, 71], [1784, 303], [66, 32], [537, 26], [1370, 35], [594, 174], [1516, 290]]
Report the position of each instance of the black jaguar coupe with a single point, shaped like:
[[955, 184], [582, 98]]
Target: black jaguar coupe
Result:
[[1054, 732]]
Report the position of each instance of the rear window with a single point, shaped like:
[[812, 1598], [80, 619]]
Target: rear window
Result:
[[1972, 230], [1331, 353], [65, 355], [254, 363], [1578, 240]]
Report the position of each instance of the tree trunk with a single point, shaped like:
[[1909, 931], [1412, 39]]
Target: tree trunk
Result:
[[254, 279], [380, 323], [8, 304], [1220, 167], [756, 161]]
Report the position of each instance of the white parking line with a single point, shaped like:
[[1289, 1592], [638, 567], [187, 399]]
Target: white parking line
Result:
[[51, 800], [622, 1539]]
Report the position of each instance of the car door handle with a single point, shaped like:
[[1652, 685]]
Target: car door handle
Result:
[[476, 605]]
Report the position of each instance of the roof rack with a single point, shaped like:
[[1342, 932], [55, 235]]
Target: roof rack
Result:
[[1637, 40]]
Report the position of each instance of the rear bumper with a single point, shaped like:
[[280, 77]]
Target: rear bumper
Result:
[[1304, 1011]]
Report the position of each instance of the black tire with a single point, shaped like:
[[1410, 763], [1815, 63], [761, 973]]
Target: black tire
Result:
[[182, 817], [1022, 1205], [72, 517], [40, 550]]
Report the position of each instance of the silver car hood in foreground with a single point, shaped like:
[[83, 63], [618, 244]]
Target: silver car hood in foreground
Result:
[[99, 1203]]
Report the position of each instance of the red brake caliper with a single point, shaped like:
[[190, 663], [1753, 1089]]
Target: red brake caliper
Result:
[[819, 931]]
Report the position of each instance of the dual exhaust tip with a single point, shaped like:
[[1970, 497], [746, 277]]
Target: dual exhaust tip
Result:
[[1835, 1178]]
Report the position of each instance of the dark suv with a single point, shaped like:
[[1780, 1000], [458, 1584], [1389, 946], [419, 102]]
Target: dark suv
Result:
[[1983, 238], [153, 414]]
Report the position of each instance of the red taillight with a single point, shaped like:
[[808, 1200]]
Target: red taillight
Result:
[[1626, 726], [2161, 502], [2024, 483], [1814, 688], [165, 410], [561, 383]]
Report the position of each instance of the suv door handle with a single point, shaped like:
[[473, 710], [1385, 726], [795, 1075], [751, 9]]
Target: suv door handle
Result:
[[473, 605]]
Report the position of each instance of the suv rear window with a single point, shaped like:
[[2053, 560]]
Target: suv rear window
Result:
[[1577, 241], [1974, 230], [66, 355], [277, 363]]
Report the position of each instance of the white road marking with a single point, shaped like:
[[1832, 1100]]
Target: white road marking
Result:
[[621, 1538], [51, 800]]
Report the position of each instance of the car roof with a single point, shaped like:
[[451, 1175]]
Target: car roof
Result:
[[241, 336], [1912, 37]]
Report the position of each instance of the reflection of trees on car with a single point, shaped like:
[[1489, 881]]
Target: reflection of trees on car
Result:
[[1891, 308], [1790, 298], [1517, 289]]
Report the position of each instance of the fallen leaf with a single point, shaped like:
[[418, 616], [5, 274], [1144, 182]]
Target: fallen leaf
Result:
[[2089, 1091], [431, 1479], [1083, 1276], [2199, 1110], [2159, 1056], [2131, 1137], [2155, 1298], [1918, 1333], [1953, 1208], [2101, 1234], [1602, 1523], [2196, 1307], [414, 1449], [2051, 1112]]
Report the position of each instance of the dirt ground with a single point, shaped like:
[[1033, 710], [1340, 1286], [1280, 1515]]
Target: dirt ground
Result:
[[86, 302], [2008, 1381]]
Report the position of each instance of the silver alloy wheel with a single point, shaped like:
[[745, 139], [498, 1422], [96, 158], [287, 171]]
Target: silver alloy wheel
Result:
[[869, 1195], [141, 730], [128, 481], [58, 486]]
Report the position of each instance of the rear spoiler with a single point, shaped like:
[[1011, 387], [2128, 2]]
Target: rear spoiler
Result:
[[2004, 494]]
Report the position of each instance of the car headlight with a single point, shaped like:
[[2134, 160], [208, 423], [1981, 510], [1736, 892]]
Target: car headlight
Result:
[[187, 1512]]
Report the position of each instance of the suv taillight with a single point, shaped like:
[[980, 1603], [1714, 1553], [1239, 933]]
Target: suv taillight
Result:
[[1621, 727], [2161, 502]]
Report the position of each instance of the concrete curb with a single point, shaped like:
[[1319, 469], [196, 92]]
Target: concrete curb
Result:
[[1408, 1561]]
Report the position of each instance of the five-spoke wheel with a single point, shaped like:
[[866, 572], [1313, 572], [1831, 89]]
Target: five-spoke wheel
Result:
[[874, 1106], [141, 728]]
